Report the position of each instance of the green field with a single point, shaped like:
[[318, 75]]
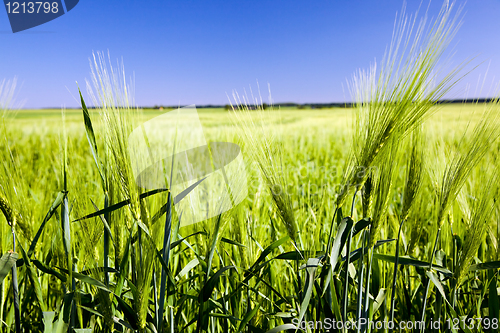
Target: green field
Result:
[[243, 271], [446, 118]]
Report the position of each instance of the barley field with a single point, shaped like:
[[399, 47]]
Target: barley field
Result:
[[243, 271], [380, 217]]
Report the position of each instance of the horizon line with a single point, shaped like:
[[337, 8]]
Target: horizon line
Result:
[[281, 104]]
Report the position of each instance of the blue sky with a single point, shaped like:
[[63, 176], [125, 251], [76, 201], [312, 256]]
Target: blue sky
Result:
[[185, 52]]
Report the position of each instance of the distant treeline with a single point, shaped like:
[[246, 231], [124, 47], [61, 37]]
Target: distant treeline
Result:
[[305, 105], [318, 105]]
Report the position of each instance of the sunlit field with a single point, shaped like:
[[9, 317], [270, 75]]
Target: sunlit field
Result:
[[255, 278]]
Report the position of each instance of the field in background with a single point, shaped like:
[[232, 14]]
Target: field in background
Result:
[[450, 116]]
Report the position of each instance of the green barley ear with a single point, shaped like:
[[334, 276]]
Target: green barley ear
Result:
[[7, 211], [265, 148], [346, 179], [382, 188], [111, 93], [366, 195], [6, 94], [395, 99], [13, 188], [485, 133], [414, 174], [481, 213], [415, 231]]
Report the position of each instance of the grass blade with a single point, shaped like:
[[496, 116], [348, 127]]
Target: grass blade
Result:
[[89, 130], [118, 205], [208, 288], [250, 314], [57, 202], [6, 263], [311, 267], [282, 328]]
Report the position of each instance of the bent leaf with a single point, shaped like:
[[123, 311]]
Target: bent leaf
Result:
[[6, 262]]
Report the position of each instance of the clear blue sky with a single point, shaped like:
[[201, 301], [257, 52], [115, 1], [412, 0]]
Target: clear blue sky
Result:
[[185, 52]]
